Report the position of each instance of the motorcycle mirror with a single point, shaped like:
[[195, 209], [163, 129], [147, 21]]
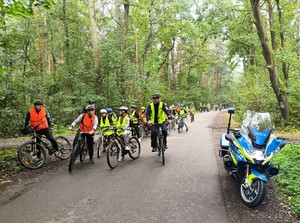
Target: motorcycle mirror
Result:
[[228, 137]]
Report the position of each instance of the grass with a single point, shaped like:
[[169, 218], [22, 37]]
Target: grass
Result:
[[8, 160], [288, 178]]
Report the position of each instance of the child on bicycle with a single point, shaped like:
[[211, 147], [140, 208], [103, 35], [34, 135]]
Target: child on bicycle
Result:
[[88, 123], [123, 123]]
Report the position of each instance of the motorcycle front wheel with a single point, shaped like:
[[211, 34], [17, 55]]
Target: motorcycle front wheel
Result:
[[254, 194]]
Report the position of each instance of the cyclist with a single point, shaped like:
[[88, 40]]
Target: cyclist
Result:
[[134, 116], [182, 115], [105, 121], [88, 123], [192, 112], [39, 118], [123, 122], [112, 115], [156, 115]]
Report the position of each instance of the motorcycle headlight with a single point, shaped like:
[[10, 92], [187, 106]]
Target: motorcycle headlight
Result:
[[258, 155]]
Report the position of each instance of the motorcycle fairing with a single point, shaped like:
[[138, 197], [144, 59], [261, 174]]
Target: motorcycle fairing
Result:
[[260, 138], [274, 145], [255, 174], [238, 157], [245, 143]]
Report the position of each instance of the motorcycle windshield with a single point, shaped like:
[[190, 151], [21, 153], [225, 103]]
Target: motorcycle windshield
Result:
[[258, 121]]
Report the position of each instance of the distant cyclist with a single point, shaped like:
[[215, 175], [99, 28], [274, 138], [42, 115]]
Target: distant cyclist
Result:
[[156, 112]]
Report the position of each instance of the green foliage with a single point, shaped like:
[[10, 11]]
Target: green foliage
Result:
[[288, 177], [8, 160]]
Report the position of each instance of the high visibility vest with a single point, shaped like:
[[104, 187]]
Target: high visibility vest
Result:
[[104, 124], [87, 123], [133, 118], [121, 123], [182, 113], [161, 117], [38, 118]]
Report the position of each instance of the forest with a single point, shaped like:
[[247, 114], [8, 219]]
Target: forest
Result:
[[119, 52]]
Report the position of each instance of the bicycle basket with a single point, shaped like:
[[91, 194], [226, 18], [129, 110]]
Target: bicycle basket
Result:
[[26, 130]]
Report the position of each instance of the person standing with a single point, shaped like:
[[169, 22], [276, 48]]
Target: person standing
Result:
[[155, 114], [39, 119], [88, 123]]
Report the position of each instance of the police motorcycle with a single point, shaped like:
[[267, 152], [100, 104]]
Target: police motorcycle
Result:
[[247, 154]]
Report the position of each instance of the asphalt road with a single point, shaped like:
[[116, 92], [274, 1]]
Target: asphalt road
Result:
[[186, 189]]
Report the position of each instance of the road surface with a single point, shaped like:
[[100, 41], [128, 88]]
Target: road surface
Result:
[[186, 189]]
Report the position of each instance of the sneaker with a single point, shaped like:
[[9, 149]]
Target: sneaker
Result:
[[92, 161], [121, 159], [166, 147], [127, 148], [140, 139], [154, 149]]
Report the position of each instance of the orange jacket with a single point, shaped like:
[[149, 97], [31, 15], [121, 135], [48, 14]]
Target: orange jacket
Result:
[[38, 118], [87, 123]]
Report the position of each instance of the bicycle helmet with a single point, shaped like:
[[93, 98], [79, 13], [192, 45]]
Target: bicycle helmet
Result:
[[143, 108], [38, 102], [155, 95], [103, 111], [133, 106], [89, 107], [123, 108], [109, 110]]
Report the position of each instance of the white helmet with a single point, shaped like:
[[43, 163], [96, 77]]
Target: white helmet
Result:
[[103, 111], [123, 108]]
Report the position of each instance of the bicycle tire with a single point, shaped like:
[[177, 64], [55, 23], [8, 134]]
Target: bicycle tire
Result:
[[74, 155], [28, 157], [99, 146], [135, 148], [161, 150], [64, 147], [83, 152], [112, 155]]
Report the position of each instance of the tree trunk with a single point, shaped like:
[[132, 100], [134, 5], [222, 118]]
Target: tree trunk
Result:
[[269, 58], [40, 40], [95, 45]]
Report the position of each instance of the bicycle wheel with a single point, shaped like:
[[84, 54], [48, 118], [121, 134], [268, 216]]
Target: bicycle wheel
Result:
[[112, 155], [169, 129], [74, 155], [64, 147], [135, 148], [31, 155], [83, 152], [161, 150], [99, 146]]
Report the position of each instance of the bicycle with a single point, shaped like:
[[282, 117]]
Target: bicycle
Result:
[[32, 155], [160, 147], [192, 117], [100, 143], [181, 124], [79, 149], [117, 145]]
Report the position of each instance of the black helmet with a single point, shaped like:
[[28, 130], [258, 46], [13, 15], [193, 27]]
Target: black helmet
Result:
[[38, 102], [89, 107], [155, 95]]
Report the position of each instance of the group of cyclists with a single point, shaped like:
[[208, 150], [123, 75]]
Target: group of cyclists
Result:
[[127, 122]]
